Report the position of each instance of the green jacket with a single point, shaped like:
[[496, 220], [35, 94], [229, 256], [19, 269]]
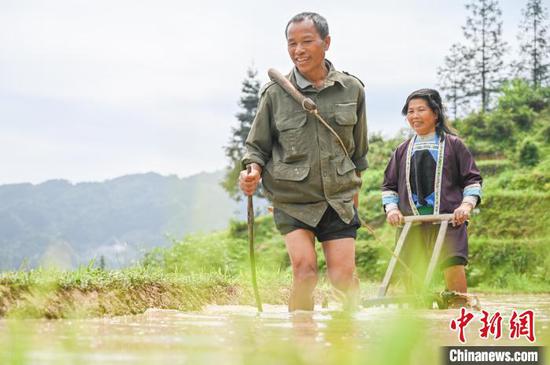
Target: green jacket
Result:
[[304, 167]]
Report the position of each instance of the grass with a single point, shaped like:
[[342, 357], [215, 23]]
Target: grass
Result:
[[89, 292]]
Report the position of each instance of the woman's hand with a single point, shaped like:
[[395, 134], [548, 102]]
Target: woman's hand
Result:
[[395, 217], [248, 182], [462, 213]]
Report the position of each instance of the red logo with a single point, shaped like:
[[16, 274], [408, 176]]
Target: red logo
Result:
[[521, 324]]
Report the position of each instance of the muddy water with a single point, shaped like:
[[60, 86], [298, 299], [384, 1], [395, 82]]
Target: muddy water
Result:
[[238, 335]]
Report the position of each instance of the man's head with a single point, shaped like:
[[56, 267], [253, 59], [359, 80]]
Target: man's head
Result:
[[307, 41], [318, 21]]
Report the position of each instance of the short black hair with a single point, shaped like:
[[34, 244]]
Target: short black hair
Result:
[[320, 22], [433, 99]]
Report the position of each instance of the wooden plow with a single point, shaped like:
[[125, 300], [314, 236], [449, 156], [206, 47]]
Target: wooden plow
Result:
[[424, 298]]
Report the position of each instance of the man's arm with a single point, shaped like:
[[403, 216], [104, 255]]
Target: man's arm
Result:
[[359, 157], [259, 141], [258, 148], [356, 196]]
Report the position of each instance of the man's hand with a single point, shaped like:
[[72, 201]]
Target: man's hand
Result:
[[462, 213], [395, 217], [248, 182]]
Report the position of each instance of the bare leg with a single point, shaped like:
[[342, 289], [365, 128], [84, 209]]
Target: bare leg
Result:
[[340, 256], [455, 280], [300, 245]]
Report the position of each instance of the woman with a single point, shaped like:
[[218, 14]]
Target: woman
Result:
[[432, 173]]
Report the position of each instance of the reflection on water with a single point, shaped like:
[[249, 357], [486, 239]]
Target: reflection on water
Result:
[[238, 335]]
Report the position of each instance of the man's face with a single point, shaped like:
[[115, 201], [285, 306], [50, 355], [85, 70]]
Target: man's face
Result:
[[305, 46]]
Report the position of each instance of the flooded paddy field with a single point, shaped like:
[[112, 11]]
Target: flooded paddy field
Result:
[[239, 335]]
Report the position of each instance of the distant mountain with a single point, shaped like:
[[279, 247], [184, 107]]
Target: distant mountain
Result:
[[70, 224]]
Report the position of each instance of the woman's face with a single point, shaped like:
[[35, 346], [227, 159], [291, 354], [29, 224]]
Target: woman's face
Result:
[[421, 117]]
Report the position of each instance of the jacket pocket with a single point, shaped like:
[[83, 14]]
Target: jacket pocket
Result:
[[289, 172], [345, 166], [345, 114], [292, 136], [291, 121]]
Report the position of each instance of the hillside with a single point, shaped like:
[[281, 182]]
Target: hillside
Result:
[[70, 224]]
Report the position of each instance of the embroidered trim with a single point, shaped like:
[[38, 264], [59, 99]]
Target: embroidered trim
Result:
[[408, 175], [424, 146], [389, 197], [439, 173], [389, 193], [472, 189], [476, 185]]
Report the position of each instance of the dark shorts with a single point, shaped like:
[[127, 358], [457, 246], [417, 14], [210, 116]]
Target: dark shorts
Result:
[[330, 227]]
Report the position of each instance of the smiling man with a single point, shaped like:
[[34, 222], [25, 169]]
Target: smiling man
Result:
[[311, 181]]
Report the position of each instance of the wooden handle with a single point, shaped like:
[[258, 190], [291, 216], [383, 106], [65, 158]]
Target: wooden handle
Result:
[[283, 82], [429, 218]]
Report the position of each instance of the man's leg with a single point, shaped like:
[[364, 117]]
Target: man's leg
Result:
[[340, 257], [300, 245]]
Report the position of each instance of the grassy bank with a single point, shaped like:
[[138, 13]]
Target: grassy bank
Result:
[[90, 292]]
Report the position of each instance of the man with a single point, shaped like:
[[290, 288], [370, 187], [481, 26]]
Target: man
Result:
[[312, 182]]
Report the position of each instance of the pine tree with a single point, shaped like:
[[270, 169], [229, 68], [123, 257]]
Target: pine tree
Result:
[[102, 262], [534, 48], [484, 50], [235, 149], [452, 79]]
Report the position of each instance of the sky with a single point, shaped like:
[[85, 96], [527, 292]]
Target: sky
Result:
[[94, 89]]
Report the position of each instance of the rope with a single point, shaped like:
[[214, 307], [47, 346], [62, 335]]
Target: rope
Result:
[[318, 116]]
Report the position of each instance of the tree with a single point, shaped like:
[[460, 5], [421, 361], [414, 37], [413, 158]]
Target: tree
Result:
[[534, 49], [452, 79], [483, 31], [235, 149]]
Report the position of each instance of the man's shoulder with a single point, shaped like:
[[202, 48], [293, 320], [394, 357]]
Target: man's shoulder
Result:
[[350, 79], [266, 87]]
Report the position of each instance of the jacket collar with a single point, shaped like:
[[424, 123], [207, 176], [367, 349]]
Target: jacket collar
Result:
[[332, 77]]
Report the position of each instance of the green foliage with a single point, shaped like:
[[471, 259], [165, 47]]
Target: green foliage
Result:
[[372, 180], [93, 292], [517, 94], [522, 114], [493, 167], [529, 153], [512, 214], [518, 264], [524, 179], [487, 134], [380, 150]]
